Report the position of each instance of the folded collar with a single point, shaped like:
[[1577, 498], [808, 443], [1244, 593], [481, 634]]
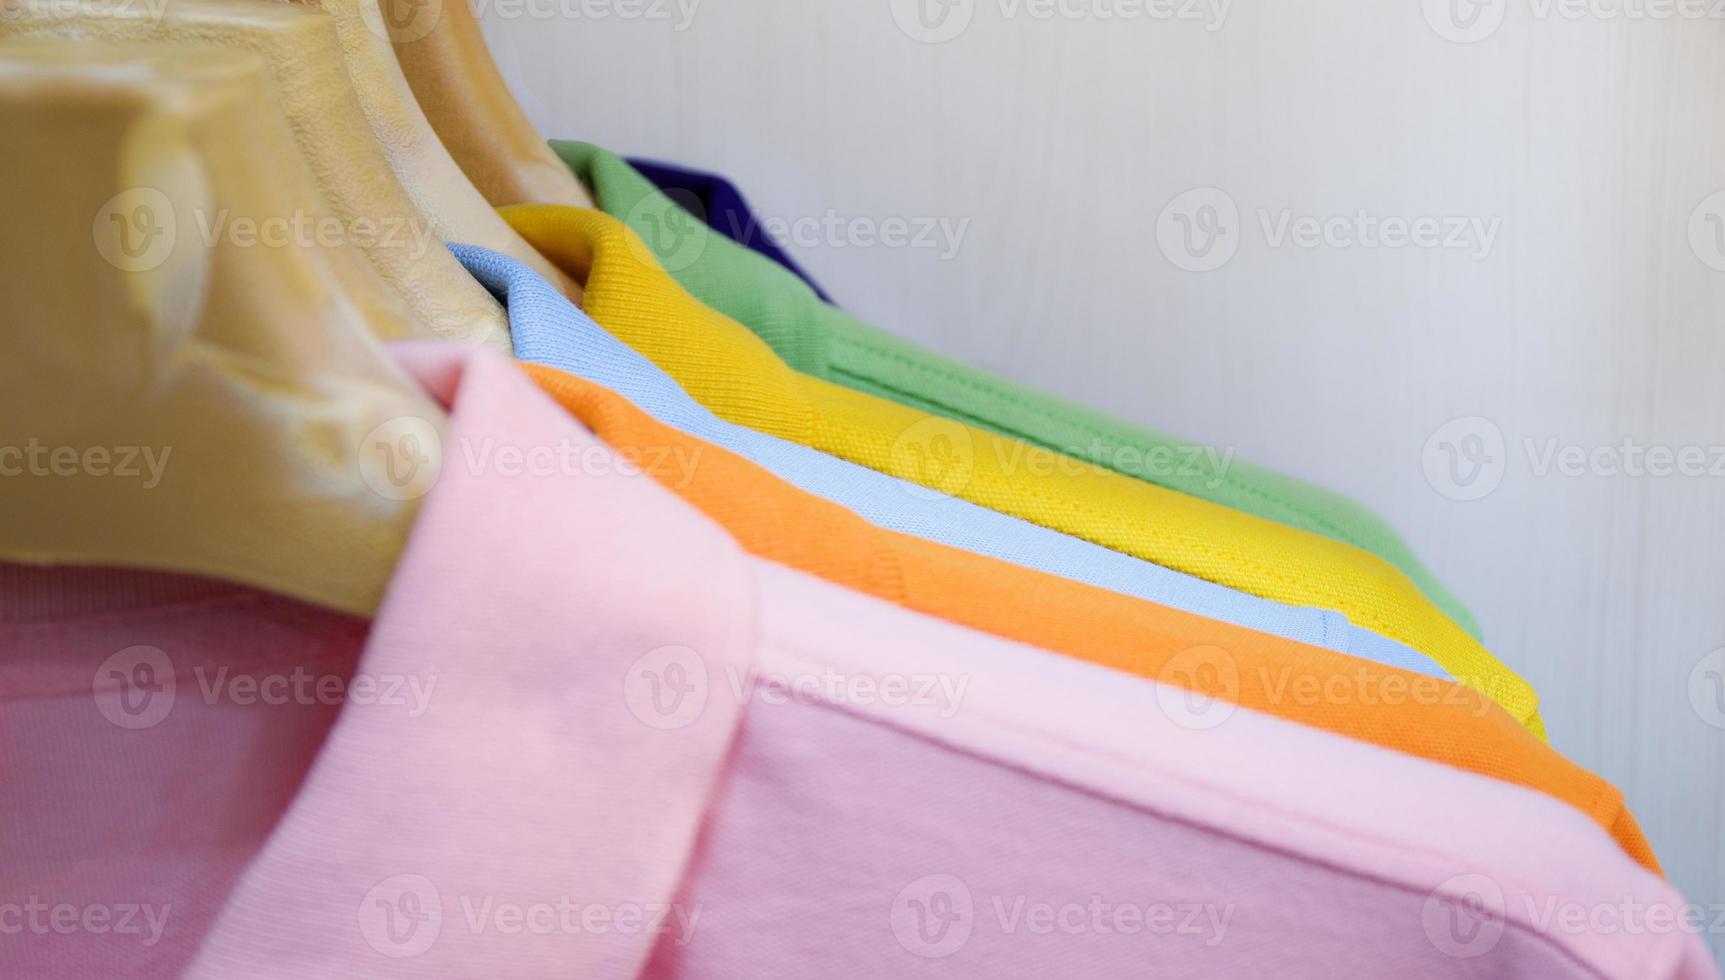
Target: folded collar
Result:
[[550, 599]]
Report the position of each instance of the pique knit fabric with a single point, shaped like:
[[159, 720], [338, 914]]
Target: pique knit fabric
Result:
[[821, 340], [721, 205], [525, 768], [1220, 665], [548, 329], [740, 379]]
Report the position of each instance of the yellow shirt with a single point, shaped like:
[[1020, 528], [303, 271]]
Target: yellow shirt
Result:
[[739, 378]]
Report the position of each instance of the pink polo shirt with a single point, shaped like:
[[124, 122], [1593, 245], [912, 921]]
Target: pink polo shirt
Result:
[[588, 736]]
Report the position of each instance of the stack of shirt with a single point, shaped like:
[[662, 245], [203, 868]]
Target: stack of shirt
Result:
[[736, 637], [607, 741]]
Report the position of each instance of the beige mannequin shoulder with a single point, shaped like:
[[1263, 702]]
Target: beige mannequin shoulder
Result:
[[443, 54], [170, 399], [461, 214], [304, 60]]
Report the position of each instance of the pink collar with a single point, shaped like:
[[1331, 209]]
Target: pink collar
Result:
[[529, 780]]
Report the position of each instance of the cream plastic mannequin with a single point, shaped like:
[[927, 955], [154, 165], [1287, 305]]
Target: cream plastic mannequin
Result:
[[304, 60], [175, 402], [443, 54], [461, 214]]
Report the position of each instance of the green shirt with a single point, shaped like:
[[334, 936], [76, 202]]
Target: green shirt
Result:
[[824, 341]]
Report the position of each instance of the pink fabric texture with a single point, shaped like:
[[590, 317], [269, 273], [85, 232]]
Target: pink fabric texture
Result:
[[588, 736], [130, 801]]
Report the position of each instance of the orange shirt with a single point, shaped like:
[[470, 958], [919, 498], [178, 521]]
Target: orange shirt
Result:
[[1400, 710]]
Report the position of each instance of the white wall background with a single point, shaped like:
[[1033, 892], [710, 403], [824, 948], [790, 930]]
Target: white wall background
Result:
[[1589, 140]]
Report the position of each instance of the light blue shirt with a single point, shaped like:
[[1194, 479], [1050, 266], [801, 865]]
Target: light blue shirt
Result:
[[550, 330]]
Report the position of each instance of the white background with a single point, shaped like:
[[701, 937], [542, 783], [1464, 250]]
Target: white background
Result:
[[1589, 141]]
